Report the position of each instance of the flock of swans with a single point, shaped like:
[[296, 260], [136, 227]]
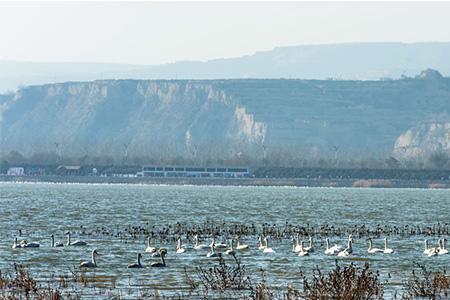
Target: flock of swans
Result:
[[217, 249]]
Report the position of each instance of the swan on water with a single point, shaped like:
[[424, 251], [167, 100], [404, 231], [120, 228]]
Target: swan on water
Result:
[[430, 251], [386, 249], [180, 248], [335, 249], [75, 243], [161, 263], [267, 249], [231, 251], [349, 250], [16, 244], [372, 250], [261, 243], [442, 249], [57, 244], [149, 248], [302, 251], [136, 265], [310, 248], [92, 263], [218, 246], [241, 246], [197, 245], [212, 252]]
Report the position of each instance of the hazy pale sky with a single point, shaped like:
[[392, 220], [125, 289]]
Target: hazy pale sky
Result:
[[154, 33]]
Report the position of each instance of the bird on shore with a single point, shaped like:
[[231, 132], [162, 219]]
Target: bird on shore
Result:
[[136, 265], [92, 263]]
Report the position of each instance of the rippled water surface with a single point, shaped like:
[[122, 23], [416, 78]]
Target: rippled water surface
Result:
[[40, 210]]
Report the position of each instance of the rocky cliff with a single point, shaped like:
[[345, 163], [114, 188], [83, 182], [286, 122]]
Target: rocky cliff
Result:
[[192, 118]]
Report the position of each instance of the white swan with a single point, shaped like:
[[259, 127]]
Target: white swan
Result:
[[16, 244], [386, 249], [57, 244], [349, 250], [303, 251], [267, 249], [212, 253], [136, 265], [180, 248], [442, 249], [430, 251], [231, 250], [294, 245], [241, 246], [150, 248], [310, 248], [75, 243], [297, 244], [261, 243], [331, 250], [197, 245], [218, 246], [162, 263], [92, 263], [372, 250]]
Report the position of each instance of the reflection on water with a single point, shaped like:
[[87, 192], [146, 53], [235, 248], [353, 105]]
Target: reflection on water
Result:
[[40, 210]]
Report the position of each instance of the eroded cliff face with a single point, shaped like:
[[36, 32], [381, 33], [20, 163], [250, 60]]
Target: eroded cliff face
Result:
[[423, 140], [222, 118], [140, 117]]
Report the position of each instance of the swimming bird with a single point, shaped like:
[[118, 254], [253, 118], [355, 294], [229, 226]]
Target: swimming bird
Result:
[[302, 251], [136, 265], [372, 250], [92, 263], [261, 243], [386, 249], [197, 245], [267, 249], [212, 253], [231, 251], [162, 263], [218, 246], [149, 248], [57, 244], [241, 246], [335, 249], [75, 243], [430, 251], [16, 244], [310, 248], [442, 249], [180, 248], [349, 250]]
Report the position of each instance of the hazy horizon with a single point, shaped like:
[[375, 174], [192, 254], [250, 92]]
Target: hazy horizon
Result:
[[154, 33]]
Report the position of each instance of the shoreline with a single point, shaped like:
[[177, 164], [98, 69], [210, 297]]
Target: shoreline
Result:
[[294, 182]]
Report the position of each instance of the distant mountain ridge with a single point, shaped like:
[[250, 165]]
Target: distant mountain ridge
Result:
[[352, 61], [211, 119]]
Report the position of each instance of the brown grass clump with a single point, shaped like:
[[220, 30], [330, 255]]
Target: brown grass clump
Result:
[[343, 283], [425, 284]]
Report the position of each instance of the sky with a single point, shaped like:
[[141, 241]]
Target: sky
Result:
[[157, 32]]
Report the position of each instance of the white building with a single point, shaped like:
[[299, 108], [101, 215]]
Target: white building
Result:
[[16, 171]]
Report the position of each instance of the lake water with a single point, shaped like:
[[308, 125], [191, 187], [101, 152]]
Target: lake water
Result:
[[40, 210]]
